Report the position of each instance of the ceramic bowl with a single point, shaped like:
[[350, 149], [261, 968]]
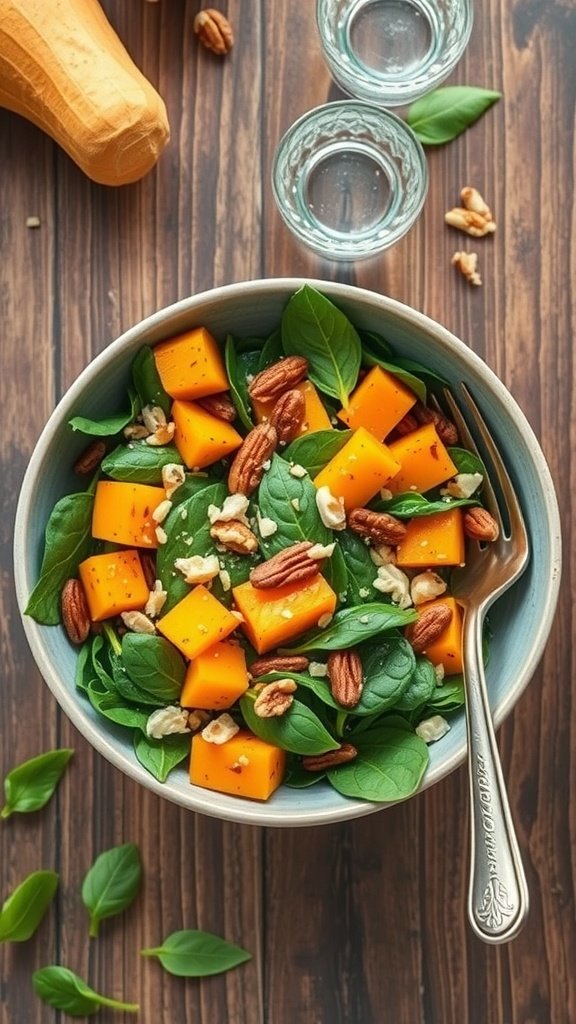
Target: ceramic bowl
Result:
[[521, 620]]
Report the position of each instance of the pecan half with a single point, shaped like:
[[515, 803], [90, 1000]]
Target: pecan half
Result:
[[234, 536], [288, 415], [445, 429], [278, 663], [430, 624], [479, 524], [407, 424], [275, 698], [346, 679], [247, 468], [214, 31], [277, 378], [379, 527], [331, 759], [90, 458], [292, 565], [75, 613], [221, 406], [148, 563]]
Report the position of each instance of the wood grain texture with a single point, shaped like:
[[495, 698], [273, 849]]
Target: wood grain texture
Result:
[[358, 923]]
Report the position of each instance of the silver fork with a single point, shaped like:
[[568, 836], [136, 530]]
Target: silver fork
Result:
[[498, 894]]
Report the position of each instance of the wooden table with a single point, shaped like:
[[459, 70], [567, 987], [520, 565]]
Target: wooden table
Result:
[[360, 923]]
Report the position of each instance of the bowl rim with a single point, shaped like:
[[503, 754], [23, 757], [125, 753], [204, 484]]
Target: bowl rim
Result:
[[205, 801]]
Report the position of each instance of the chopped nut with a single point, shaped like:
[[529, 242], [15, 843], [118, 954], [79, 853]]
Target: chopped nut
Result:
[[164, 435], [430, 624], [432, 729], [90, 458], [391, 580], [474, 217], [479, 524], [249, 463], [332, 758], [173, 476], [463, 485], [32, 222], [167, 722], [467, 264], [75, 613], [221, 406], [135, 432], [198, 569], [426, 586], [325, 620], [291, 565], [234, 536], [288, 415], [214, 31], [138, 622], [346, 678], [153, 417], [156, 600], [331, 509], [281, 376], [225, 580], [235, 506], [278, 663], [379, 527], [198, 718], [275, 698], [161, 535], [472, 200], [383, 554], [161, 511], [220, 729]]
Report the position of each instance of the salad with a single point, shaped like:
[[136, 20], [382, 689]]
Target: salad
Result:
[[257, 574]]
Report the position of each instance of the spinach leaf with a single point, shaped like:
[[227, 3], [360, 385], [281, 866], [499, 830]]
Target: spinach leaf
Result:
[[466, 461], [390, 764], [312, 324], [271, 351], [187, 530], [61, 988], [138, 462], [420, 688], [445, 113], [388, 668], [84, 673], [196, 954], [351, 626], [147, 381], [155, 665], [159, 757], [117, 709], [29, 785], [124, 685], [314, 451], [298, 730], [68, 542], [26, 905], [111, 884], [360, 568], [291, 502], [448, 697], [111, 424], [193, 483], [320, 687], [238, 365], [336, 574], [411, 505], [377, 344], [299, 778], [409, 379]]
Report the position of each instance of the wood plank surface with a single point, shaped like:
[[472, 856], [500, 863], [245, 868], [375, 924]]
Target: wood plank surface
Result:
[[363, 922]]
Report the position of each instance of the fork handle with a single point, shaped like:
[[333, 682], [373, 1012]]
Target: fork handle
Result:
[[498, 894]]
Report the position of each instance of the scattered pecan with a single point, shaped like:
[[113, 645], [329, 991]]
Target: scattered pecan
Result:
[[247, 469], [234, 536], [221, 406], [474, 217], [75, 613], [407, 424], [292, 565], [214, 31], [479, 524], [288, 415], [275, 698], [345, 675], [148, 563], [279, 663], [331, 759], [445, 429], [270, 383], [430, 624], [380, 527], [467, 264], [90, 458]]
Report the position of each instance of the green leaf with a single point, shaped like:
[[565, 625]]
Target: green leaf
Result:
[[390, 764], [314, 451], [84, 673], [117, 709], [187, 530], [25, 907], [420, 688], [155, 665], [111, 424], [450, 696], [351, 626], [377, 344], [411, 505], [124, 685], [360, 568], [271, 351], [61, 988], [335, 573], [138, 462], [445, 113], [196, 954], [466, 461], [388, 667], [238, 365], [111, 884], [68, 542], [299, 778], [29, 786], [298, 730], [291, 502], [159, 757], [313, 325], [147, 381]]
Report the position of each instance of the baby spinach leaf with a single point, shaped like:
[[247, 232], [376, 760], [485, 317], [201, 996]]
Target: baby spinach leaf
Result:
[[411, 505], [388, 668], [138, 462], [111, 424], [159, 757], [26, 905], [420, 688], [448, 697], [409, 379], [314, 451], [298, 730], [117, 709], [188, 533], [360, 568], [124, 685], [68, 542], [154, 664], [291, 502], [299, 778], [29, 786], [311, 323], [390, 764], [351, 626], [335, 573], [377, 344], [445, 113], [147, 380], [467, 462], [61, 988], [271, 350], [237, 367], [196, 954], [84, 673], [194, 483], [111, 884]]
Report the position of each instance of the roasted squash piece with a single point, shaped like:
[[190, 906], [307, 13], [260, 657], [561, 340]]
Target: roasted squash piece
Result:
[[274, 616], [123, 513], [113, 582], [424, 461], [197, 622], [358, 470], [243, 766], [191, 365], [378, 403], [434, 540], [216, 678], [200, 437]]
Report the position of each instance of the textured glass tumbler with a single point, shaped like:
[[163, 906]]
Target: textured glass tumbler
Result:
[[349, 179], [391, 52]]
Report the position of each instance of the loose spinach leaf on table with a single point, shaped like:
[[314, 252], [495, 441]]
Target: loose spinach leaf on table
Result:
[[68, 542], [159, 757], [29, 785], [155, 665], [138, 462], [298, 730], [314, 451], [111, 425], [147, 380], [410, 505], [389, 766], [421, 687], [445, 113], [196, 954], [26, 905], [61, 988], [291, 502], [351, 626], [239, 365], [111, 884]]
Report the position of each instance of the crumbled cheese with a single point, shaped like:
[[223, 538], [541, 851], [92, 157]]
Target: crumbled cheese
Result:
[[32, 222], [156, 600], [266, 526], [440, 673], [161, 511], [295, 502], [198, 569], [364, 592], [235, 506], [167, 722], [161, 535], [385, 494], [287, 614], [173, 476], [463, 485], [318, 551], [298, 471], [325, 620], [383, 554], [317, 669], [220, 729], [391, 580], [331, 509], [225, 580], [266, 465], [364, 619], [426, 586], [432, 729]]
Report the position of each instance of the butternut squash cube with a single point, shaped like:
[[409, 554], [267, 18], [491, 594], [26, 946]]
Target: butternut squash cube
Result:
[[216, 678], [433, 540], [378, 403], [424, 461], [276, 615], [191, 365], [244, 766], [359, 469], [447, 649], [123, 513], [200, 437], [315, 415], [197, 622], [114, 583]]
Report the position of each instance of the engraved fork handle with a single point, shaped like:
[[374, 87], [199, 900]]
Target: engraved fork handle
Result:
[[498, 894]]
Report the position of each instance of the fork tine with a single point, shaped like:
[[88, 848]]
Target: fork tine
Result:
[[469, 442]]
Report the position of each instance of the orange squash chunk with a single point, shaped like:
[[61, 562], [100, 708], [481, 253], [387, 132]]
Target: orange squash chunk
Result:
[[197, 622], [359, 469], [190, 365], [378, 403], [273, 617], [123, 513], [200, 437], [315, 415], [433, 540], [424, 461], [447, 649], [216, 678], [114, 583], [244, 766]]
